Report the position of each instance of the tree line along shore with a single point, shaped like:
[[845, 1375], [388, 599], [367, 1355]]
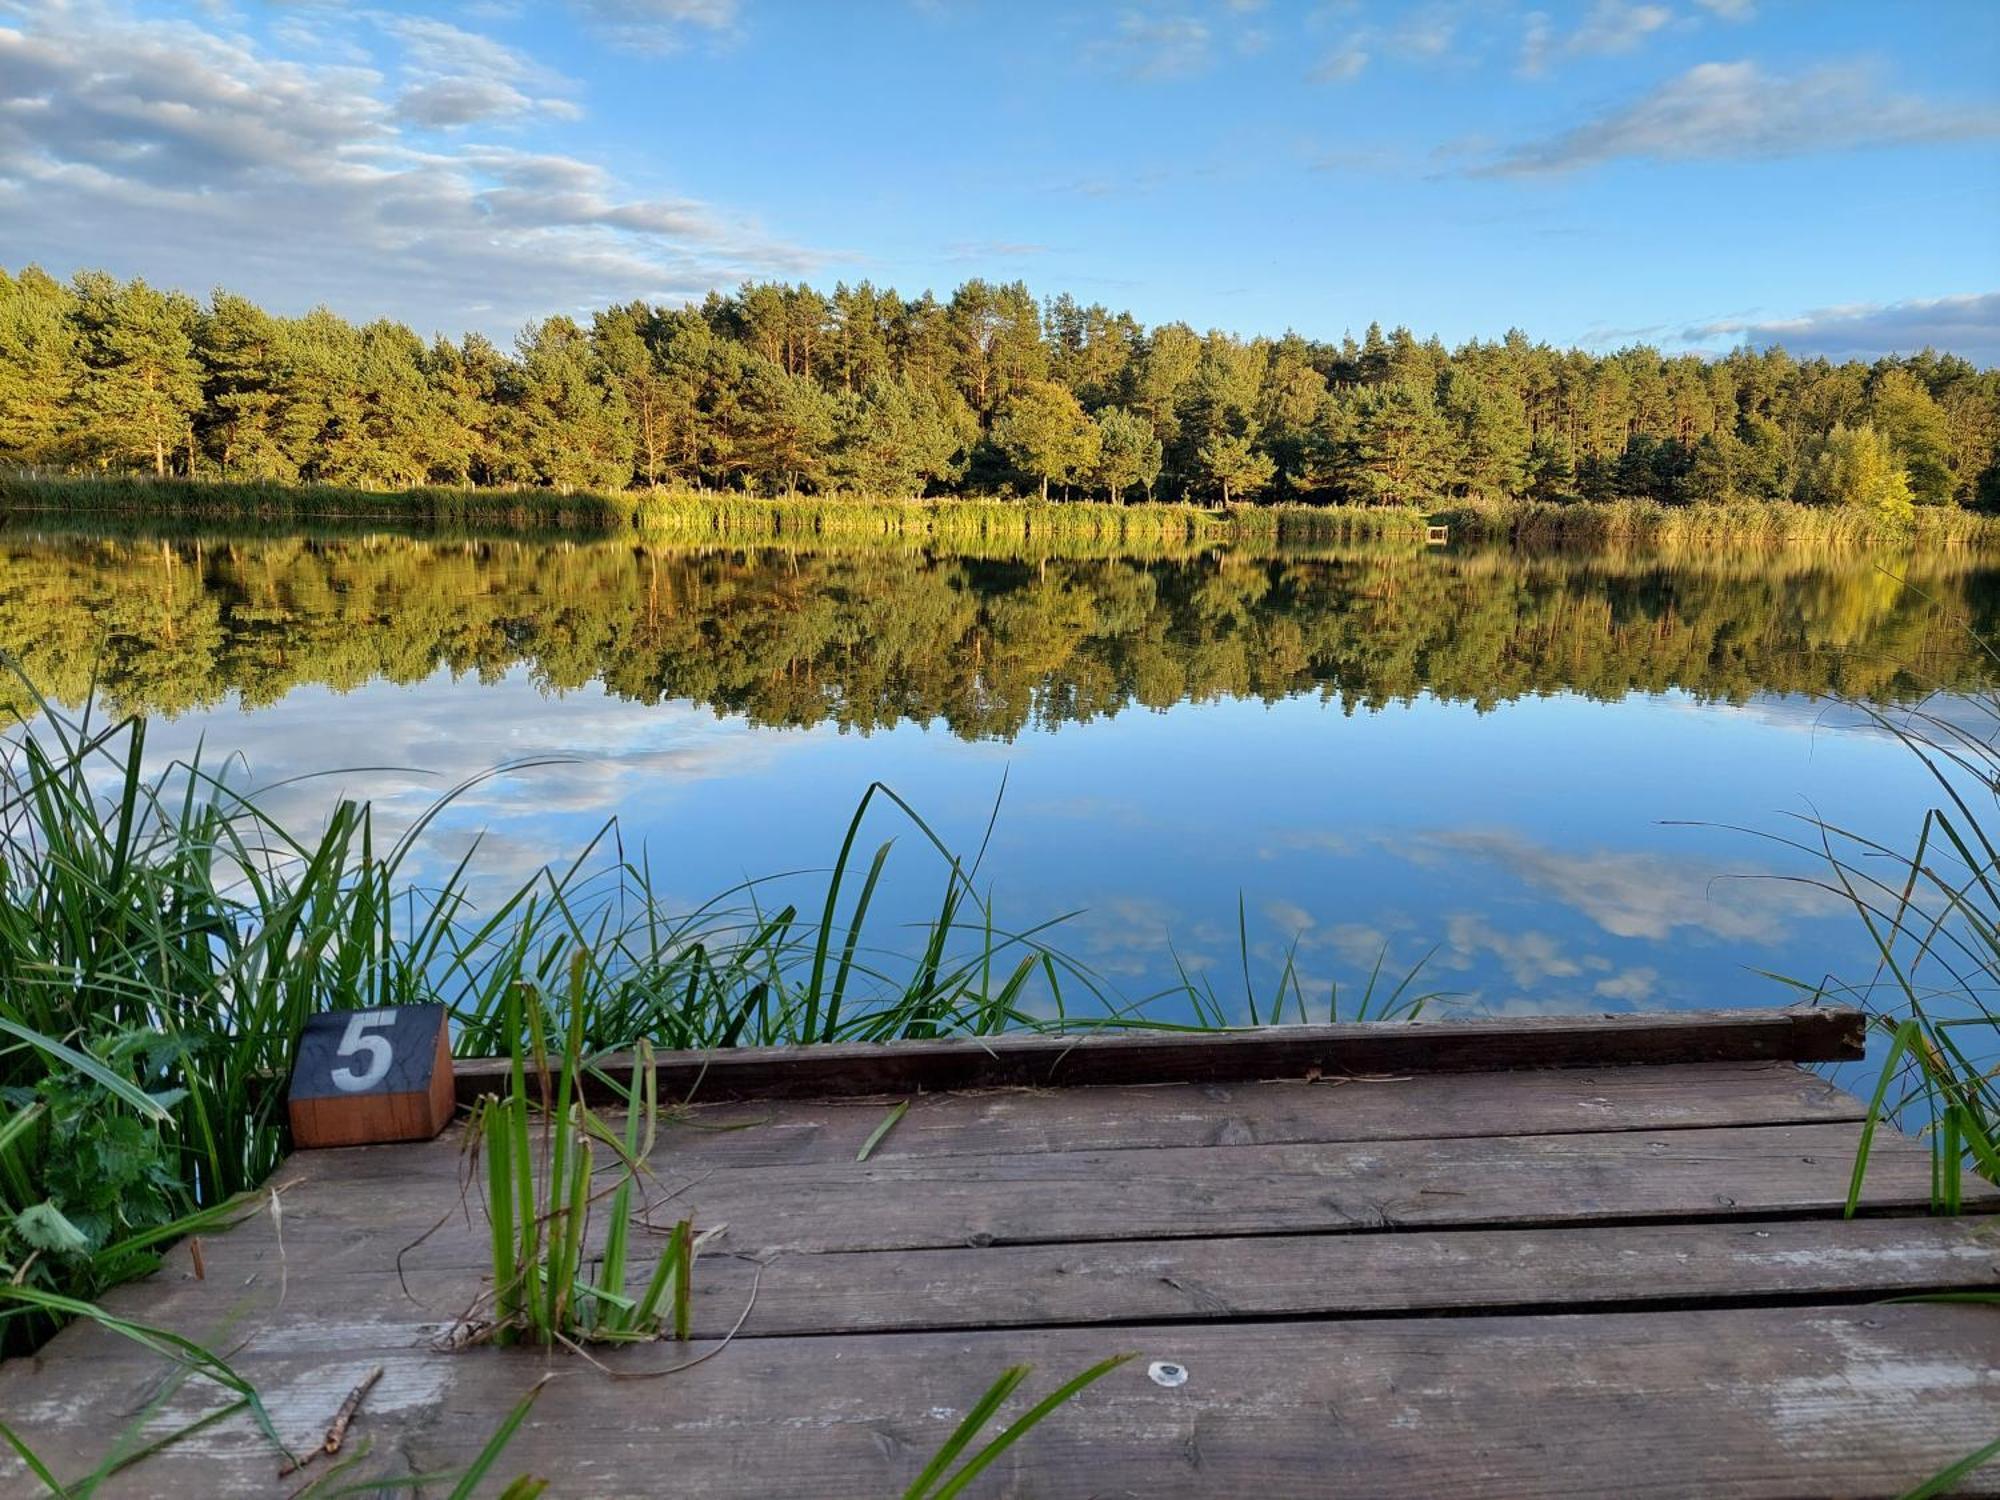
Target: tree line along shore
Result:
[[783, 390]]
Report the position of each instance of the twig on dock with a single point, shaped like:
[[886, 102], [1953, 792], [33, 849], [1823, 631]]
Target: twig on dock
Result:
[[336, 1432]]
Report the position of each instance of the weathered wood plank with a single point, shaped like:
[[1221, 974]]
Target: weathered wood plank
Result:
[[1744, 1404], [1409, 1106], [353, 1299], [1817, 1035], [1195, 1192], [1406, 1107]]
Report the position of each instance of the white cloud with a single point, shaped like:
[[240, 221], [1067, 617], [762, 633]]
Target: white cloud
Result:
[[1428, 36], [1530, 957], [205, 150], [1156, 47], [1634, 985], [1344, 63], [454, 77], [656, 25], [1425, 35], [1615, 26], [1537, 42], [1735, 111], [1640, 895], [1729, 10], [1966, 325]]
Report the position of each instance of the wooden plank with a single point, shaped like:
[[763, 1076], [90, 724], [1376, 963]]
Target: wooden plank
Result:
[[350, 1296], [1194, 1192], [1410, 1106], [1741, 1404], [828, 1071]]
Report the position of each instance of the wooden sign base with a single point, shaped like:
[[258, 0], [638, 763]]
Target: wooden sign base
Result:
[[368, 1076]]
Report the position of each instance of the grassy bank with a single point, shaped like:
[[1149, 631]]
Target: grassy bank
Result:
[[968, 527]]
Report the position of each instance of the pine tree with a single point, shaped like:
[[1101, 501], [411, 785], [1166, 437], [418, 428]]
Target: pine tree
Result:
[[1128, 452], [1400, 448], [1489, 431], [141, 382], [38, 366], [889, 440], [244, 393], [575, 429]]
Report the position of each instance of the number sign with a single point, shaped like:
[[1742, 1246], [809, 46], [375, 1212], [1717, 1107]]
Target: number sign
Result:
[[372, 1075]]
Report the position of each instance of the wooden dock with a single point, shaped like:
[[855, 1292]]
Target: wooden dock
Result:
[[1581, 1257]]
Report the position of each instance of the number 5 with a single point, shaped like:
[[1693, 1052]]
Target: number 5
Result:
[[356, 1041]]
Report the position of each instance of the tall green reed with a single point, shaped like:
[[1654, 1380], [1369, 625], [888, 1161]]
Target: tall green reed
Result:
[[543, 1289], [1932, 915]]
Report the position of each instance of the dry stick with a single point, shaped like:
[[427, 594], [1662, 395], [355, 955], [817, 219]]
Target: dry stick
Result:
[[336, 1432]]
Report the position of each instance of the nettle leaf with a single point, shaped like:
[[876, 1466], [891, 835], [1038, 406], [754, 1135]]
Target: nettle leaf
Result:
[[43, 1226]]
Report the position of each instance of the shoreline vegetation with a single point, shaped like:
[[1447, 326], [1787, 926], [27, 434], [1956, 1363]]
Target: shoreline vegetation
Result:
[[778, 390], [968, 525]]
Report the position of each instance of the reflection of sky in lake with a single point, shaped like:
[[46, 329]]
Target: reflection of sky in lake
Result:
[[1527, 845]]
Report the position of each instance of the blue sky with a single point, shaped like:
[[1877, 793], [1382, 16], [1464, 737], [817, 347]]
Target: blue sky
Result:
[[1693, 173]]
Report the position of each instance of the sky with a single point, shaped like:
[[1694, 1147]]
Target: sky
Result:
[[1694, 174]]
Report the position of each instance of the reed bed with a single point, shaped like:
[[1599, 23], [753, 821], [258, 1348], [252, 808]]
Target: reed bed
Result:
[[1749, 523], [435, 507], [973, 527]]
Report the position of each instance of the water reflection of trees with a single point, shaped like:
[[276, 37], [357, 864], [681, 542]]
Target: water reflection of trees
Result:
[[865, 639]]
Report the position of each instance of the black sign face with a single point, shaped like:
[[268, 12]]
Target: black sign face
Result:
[[345, 1054]]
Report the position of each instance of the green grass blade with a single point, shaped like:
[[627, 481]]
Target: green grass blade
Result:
[[1027, 1422], [875, 1136]]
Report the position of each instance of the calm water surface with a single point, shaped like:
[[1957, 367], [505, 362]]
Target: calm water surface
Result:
[[1483, 757]]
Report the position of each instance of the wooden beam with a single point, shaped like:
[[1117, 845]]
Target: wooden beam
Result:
[[833, 1070]]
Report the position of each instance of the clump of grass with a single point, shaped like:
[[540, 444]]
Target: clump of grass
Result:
[[543, 1287], [1932, 915]]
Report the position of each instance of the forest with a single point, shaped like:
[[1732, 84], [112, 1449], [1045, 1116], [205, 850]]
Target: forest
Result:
[[780, 389]]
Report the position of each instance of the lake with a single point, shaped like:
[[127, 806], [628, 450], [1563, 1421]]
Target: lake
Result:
[[1546, 778]]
